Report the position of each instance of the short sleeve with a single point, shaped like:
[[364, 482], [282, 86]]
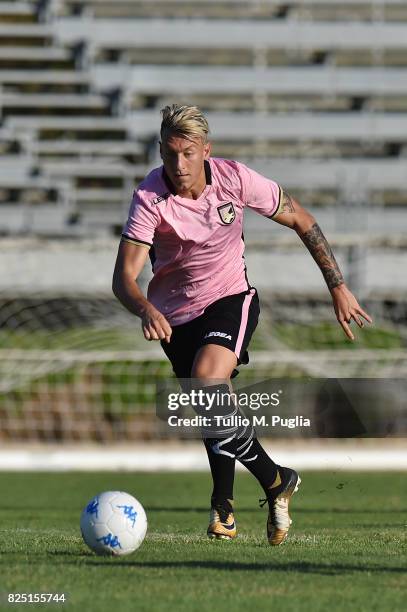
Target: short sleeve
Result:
[[260, 193], [141, 223]]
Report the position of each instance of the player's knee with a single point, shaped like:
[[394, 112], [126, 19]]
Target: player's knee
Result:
[[202, 371], [213, 362], [208, 369]]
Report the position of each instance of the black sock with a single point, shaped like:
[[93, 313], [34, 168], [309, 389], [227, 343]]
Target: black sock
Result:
[[222, 465], [223, 474], [260, 465], [256, 461], [236, 443]]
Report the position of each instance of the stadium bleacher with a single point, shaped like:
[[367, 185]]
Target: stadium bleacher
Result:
[[327, 10], [47, 81], [310, 92], [17, 12]]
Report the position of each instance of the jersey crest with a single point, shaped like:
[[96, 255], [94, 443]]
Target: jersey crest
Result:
[[227, 213]]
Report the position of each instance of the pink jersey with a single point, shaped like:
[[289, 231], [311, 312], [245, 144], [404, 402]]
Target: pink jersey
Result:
[[198, 244]]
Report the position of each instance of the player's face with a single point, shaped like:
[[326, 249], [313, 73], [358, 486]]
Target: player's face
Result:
[[183, 161]]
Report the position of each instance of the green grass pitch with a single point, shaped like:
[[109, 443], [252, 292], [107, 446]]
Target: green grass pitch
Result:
[[346, 549]]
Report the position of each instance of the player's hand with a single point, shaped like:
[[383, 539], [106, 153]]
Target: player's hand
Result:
[[155, 326], [347, 308]]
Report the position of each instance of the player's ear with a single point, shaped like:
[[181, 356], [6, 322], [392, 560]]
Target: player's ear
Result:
[[161, 149], [207, 150]]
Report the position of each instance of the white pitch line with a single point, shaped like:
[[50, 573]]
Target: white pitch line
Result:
[[195, 460]]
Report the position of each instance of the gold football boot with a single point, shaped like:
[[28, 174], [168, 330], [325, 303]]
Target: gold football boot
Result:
[[222, 524], [279, 521]]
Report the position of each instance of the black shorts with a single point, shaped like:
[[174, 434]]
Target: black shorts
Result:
[[229, 322]]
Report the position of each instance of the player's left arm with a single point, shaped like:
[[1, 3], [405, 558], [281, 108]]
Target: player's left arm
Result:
[[293, 215]]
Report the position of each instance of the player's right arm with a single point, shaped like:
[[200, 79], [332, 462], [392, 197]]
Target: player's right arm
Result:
[[130, 261]]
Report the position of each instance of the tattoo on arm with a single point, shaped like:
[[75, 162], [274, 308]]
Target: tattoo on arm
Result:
[[320, 250], [287, 204]]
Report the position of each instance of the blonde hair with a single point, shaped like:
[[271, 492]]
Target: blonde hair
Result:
[[185, 121]]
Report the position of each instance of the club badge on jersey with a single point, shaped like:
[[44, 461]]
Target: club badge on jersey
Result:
[[227, 213]]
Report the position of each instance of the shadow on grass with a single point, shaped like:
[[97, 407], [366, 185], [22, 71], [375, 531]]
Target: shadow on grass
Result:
[[33, 557], [298, 566], [303, 567], [239, 510]]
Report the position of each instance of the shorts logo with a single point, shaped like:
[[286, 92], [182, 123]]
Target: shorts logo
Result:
[[227, 213], [218, 335]]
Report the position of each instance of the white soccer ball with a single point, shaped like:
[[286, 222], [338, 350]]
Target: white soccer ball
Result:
[[113, 523]]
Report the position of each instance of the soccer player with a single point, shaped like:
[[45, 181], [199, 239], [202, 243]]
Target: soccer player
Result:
[[188, 215]]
